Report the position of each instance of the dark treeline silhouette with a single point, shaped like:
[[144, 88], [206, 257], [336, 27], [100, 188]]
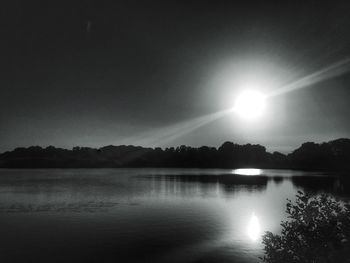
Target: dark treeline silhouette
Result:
[[333, 155]]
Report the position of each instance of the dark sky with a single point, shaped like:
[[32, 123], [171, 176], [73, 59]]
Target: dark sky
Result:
[[96, 73]]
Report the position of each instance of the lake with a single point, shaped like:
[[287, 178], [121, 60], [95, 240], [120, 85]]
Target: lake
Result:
[[146, 215]]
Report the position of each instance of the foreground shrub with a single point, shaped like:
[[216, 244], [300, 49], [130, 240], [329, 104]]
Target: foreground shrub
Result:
[[317, 230]]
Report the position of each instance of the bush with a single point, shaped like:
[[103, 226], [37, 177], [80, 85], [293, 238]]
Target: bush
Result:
[[317, 230]]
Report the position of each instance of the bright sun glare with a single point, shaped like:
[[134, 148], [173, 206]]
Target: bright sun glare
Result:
[[250, 104]]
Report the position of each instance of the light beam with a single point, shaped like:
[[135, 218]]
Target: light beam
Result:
[[169, 133], [337, 69], [164, 135]]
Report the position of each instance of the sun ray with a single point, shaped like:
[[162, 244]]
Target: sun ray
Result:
[[162, 136], [337, 69]]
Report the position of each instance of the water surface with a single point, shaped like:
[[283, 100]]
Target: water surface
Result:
[[146, 215]]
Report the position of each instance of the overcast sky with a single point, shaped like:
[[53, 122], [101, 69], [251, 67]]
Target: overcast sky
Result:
[[94, 74]]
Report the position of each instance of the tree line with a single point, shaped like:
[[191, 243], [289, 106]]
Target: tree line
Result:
[[332, 155]]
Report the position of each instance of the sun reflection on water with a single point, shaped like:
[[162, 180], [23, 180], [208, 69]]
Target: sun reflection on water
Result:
[[253, 229], [247, 171]]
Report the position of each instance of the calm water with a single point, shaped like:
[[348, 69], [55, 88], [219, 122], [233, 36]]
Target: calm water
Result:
[[145, 215]]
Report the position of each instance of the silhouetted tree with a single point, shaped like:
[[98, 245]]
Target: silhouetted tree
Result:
[[317, 231], [333, 155]]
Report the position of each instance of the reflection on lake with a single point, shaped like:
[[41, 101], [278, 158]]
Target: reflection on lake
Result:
[[146, 215], [247, 171], [254, 231]]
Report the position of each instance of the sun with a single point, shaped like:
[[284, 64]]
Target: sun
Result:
[[250, 104]]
